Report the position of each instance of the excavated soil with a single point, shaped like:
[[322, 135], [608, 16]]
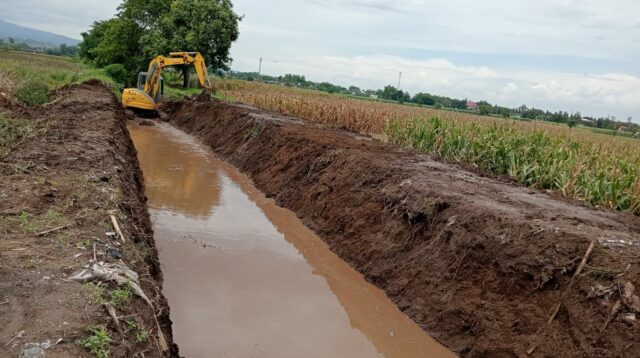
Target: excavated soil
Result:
[[58, 187], [478, 262]]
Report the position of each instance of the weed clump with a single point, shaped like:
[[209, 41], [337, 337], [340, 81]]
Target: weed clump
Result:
[[119, 297], [98, 342], [11, 132], [33, 93]]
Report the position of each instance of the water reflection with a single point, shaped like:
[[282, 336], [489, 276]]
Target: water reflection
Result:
[[245, 278], [177, 176]]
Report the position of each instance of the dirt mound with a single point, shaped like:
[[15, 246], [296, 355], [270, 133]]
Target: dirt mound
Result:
[[478, 262], [58, 187]]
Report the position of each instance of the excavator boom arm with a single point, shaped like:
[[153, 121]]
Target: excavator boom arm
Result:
[[154, 73], [152, 85]]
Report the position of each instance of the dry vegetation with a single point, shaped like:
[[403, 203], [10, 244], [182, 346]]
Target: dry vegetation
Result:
[[599, 169]]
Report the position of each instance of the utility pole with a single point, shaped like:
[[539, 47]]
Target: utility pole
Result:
[[260, 67], [399, 77]]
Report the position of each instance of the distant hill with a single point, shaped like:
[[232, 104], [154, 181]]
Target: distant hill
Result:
[[33, 37]]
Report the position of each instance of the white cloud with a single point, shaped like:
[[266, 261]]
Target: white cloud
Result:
[[604, 94], [62, 17], [556, 54]]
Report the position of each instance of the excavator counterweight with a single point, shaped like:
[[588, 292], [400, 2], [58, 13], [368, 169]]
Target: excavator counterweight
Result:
[[150, 86]]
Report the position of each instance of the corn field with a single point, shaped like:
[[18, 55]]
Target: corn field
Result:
[[599, 169]]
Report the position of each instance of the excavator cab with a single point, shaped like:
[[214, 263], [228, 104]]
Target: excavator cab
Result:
[[142, 78], [150, 88]]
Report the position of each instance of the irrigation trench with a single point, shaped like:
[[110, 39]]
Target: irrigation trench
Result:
[[480, 263], [405, 244], [246, 278]]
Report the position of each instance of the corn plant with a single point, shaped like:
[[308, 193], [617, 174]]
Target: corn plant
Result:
[[600, 169]]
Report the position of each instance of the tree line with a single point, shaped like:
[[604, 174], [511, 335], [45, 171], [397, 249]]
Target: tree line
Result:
[[144, 29], [390, 93], [18, 45]]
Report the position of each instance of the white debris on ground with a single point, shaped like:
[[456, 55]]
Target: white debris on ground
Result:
[[117, 273]]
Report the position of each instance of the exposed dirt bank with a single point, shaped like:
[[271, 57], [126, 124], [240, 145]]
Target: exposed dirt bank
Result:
[[58, 187], [479, 263]]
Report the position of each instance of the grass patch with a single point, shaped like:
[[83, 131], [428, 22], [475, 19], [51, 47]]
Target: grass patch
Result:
[[33, 93], [84, 244], [132, 326], [120, 296], [173, 89], [12, 131], [30, 77], [31, 223], [27, 222], [62, 240], [177, 92], [95, 292], [224, 97], [117, 297], [142, 336], [53, 217]]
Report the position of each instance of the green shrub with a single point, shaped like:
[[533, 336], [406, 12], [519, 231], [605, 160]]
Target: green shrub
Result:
[[33, 93], [117, 72], [119, 297], [98, 342]]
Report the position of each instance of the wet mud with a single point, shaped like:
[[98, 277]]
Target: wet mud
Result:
[[246, 278], [478, 262]]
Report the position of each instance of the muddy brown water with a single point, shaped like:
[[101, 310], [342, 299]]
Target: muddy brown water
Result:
[[245, 278]]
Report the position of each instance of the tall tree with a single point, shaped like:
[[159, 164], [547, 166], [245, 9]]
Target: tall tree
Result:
[[391, 93], [144, 12], [207, 26], [114, 41], [143, 29], [91, 39]]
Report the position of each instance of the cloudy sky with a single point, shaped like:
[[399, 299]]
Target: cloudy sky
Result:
[[573, 55]]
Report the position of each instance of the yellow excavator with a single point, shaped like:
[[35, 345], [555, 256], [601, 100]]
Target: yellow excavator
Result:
[[150, 89]]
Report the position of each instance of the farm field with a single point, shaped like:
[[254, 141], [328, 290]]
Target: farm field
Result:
[[488, 266], [601, 170], [319, 179], [30, 77]]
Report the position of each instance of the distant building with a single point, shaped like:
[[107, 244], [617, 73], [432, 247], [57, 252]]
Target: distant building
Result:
[[472, 106], [588, 121]]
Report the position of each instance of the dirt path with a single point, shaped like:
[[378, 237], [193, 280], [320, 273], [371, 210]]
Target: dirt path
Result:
[[57, 189], [479, 263]]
